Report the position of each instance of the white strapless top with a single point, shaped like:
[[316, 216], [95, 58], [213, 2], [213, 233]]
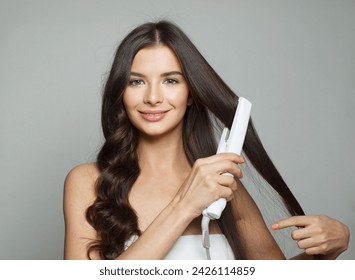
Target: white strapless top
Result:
[[189, 247]]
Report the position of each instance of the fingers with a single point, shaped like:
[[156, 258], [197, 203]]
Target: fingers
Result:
[[307, 243], [222, 156], [303, 232], [312, 244], [227, 180], [219, 164], [218, 186], [317, 234], [208, 181], [226, 193], [296, 221], [219, 175]]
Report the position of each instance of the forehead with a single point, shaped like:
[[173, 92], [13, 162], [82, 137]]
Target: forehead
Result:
[[157, 58]]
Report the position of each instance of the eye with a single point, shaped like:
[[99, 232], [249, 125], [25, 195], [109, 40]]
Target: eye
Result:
[[170, 81], [136, 82]]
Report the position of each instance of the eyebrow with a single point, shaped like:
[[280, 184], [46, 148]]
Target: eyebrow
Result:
[[166, 74]]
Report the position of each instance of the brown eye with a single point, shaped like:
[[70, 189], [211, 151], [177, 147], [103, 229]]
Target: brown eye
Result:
[[136, 82], [171, 81]]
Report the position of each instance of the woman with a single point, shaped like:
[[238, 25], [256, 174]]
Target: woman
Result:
[[157, 170]]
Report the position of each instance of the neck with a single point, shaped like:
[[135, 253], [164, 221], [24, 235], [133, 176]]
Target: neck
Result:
[[162, 155]]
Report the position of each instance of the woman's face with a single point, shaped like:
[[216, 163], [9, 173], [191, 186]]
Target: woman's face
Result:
[[157, 95]]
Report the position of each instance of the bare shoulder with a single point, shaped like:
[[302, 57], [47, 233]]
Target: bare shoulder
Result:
[[79, 194], [83, 175], [84, 171], [80, 182]]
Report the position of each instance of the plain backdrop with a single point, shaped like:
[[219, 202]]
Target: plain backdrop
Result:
[[295, 60]]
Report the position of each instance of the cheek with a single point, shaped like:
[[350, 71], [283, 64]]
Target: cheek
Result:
[[180, 97], [129, 105], [129, 101], [182, 103]]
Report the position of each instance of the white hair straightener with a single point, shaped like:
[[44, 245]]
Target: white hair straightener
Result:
[[231, 141]]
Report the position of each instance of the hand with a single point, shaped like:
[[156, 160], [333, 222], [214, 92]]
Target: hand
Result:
[[205, 183], [317, 235]]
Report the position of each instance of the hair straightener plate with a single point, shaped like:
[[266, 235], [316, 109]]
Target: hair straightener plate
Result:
[[231, 141]]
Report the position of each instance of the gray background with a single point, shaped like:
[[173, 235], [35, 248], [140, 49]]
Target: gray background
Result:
[[295, 60]]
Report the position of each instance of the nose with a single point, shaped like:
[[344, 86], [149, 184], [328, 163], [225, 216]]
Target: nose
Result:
[[153, 94]]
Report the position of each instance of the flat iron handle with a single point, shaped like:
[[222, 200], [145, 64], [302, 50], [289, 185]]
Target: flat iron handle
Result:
[[233, 144]]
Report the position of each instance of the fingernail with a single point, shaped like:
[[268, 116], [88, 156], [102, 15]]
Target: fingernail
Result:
[[275, 226]]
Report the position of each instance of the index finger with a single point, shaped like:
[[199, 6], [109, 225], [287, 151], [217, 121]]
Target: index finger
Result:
[[230, 156], [297, 221], [222, 156]]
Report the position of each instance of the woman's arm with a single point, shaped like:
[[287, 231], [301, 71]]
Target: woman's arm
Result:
[[203, 185], [79, 194], [320, 236], [254, 234]]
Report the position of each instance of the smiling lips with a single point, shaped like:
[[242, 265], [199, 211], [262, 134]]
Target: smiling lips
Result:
[[153, 116]]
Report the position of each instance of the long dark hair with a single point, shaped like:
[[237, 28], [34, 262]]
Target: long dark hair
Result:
[[213, 102]]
